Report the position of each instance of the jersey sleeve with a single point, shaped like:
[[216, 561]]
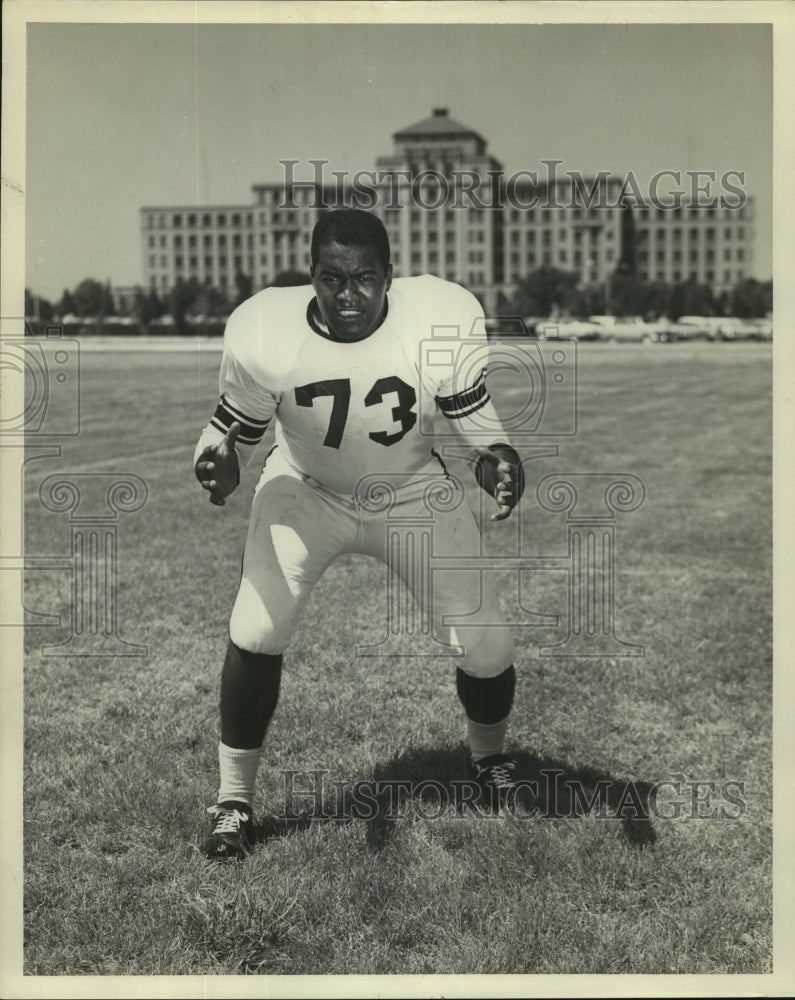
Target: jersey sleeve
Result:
[[245, 395], [462, 394]]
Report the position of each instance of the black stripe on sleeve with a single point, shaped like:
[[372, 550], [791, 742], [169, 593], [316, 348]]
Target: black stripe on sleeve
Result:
[[461, 404], [251, 430]]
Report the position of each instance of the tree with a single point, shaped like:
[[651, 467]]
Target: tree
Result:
[[690, 299], [37, 307], [544, 289], [66, 306], [285, 279], [752, 299], [147, 306], [182, 300], [244, 286], [92, 298]]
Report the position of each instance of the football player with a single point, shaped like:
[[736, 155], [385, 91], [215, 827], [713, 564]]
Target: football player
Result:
[[339, 366]]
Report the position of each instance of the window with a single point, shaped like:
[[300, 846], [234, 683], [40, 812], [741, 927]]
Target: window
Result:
[[192, 240], [222, 240], [207, 219], [221, 219], [192, 220], [208, 263], [236, 219], [177, 220], [151, 241], [162, 241], [178, 262], [177, 242], [727, 254], [152, 261], [194, 263]]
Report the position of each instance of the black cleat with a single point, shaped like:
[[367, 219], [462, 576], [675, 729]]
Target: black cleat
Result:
[[495, 775], [231, 829]]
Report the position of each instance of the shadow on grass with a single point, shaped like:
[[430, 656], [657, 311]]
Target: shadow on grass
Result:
[[430, 782]]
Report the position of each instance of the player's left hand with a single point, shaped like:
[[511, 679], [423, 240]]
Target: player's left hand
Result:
[[500, 477]]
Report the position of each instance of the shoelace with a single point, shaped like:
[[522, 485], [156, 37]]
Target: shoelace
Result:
[[226, 820], [501, 775]]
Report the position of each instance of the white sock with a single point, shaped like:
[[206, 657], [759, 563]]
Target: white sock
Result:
[[238, 769], [485, 740]]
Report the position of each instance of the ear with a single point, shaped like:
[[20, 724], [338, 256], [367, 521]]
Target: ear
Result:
[[388, 278]]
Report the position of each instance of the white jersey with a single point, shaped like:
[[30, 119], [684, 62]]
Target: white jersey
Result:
[[346, 410]]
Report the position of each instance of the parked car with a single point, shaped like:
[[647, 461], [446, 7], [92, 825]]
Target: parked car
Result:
[[691, 328], [572, 329], [625, 329], [498, 327], [733, 328]]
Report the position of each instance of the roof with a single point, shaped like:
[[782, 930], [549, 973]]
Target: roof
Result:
[[439, 123]]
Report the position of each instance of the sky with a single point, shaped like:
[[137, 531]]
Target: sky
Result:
[[120, 116]]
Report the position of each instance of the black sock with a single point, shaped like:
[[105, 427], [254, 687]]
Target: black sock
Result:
[[486, 700], [249, 693]]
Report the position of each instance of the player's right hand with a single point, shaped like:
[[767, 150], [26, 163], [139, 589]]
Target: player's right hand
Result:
[[218, 469]]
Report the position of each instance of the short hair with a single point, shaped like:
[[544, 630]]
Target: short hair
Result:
[[351, 227]]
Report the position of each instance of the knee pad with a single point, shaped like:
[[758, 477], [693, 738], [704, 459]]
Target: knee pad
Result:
[[488, 649], [251, 628]]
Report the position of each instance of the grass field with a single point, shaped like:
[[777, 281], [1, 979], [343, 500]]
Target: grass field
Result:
[[120, 753]]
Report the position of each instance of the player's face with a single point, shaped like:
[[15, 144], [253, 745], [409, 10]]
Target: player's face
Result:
[[351, 285]]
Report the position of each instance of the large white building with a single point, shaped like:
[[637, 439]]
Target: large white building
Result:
[[451, 210]]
